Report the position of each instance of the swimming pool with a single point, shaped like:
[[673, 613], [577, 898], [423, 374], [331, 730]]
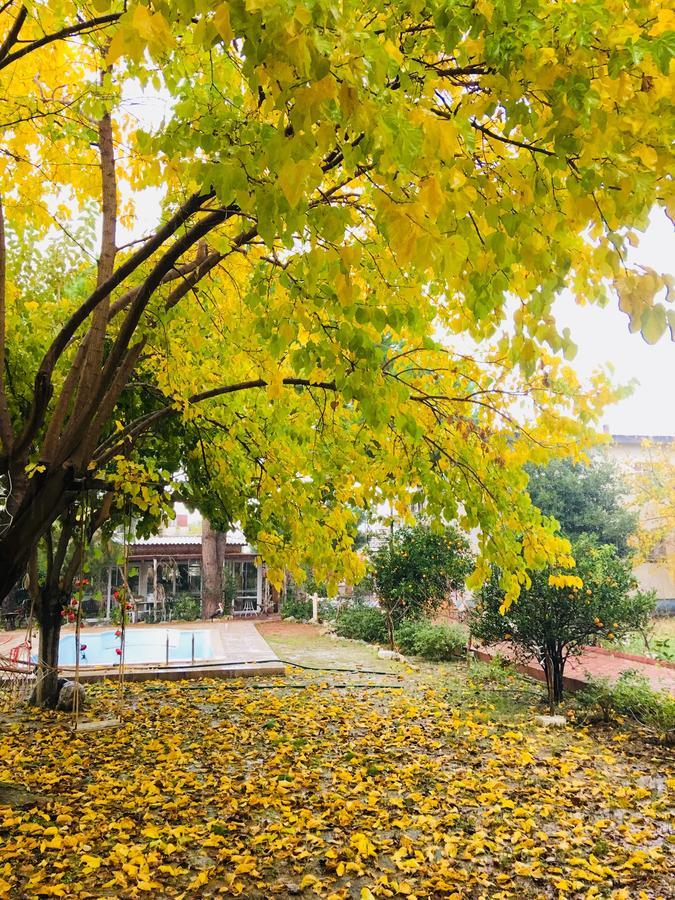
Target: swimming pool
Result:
[[141, 645]]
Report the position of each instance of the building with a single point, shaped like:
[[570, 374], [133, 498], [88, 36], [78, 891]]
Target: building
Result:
[[167, 568], [636, 454]]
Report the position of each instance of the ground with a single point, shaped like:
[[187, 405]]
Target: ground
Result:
[[429, 783]]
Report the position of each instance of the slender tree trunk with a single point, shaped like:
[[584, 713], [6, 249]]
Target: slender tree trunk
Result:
[[49, 607], [554, 666], [212, 572]]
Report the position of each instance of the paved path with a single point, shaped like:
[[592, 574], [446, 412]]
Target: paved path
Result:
[[597, 663], [240, 641]]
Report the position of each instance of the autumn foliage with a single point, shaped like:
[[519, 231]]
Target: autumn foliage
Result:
[[218, 789]]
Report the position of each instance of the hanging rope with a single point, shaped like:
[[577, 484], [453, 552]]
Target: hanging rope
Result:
[[78, 614], [125, 576], [95, 725]]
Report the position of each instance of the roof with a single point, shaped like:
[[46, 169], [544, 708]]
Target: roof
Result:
[[161, 540], [235, 538], [640, 438]]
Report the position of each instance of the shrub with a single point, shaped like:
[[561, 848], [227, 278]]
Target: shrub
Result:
[[362, 623], [434, 642], [297, 607], [559, 614], [187, 609], [631, 695]]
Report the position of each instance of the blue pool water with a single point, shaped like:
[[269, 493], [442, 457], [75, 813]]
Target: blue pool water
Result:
[[142, 645]]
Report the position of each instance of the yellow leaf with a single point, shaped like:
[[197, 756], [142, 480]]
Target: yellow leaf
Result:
[[275, 384], [91, 862], [222, 22], [362, 844]]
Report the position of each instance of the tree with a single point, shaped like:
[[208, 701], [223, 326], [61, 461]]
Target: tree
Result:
[[416, 570], [213, 559], [339, 185], [52, 590], [585, 499], [560, 613], [652, 483]]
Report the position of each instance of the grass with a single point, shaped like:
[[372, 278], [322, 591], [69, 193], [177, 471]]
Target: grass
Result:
[[659, 642], [427, 783]]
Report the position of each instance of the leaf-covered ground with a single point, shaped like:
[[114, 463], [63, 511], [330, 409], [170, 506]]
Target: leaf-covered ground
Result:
[[308, 787]]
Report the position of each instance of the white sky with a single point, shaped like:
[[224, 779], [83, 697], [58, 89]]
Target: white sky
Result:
[[602, 337]]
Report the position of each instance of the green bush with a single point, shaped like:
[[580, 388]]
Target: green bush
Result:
[[435, 642], [632, 696], [362, 623], [186, 609], [297, 607]]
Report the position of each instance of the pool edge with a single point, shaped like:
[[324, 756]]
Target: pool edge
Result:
[[176, 673]]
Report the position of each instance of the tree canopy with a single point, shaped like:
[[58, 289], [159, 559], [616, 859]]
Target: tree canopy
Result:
[[584, 499], [364, 214]]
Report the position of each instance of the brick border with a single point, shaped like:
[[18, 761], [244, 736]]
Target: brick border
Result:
[[534, 671], [633, 657]]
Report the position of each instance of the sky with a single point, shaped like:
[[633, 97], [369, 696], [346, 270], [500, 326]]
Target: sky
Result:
[[602, 336]]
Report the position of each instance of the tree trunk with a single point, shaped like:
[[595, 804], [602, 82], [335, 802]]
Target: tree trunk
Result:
[[11, 572], [212, 572], [49, 607], [44, 500], [554, 666]]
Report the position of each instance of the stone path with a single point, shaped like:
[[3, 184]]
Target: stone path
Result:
[[598, 663]]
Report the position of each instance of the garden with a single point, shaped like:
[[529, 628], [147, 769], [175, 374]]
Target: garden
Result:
[[382, 781], [306, 268]]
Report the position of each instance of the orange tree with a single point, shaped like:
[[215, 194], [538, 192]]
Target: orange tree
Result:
[[416, 570], [555, 618], [364, 215]]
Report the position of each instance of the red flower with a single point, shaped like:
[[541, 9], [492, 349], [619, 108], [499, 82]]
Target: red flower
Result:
[[63, 612], [118, 651], [129, 606], [71, 617], [83, 647], [116, 595], [73, 601], [118, 633]]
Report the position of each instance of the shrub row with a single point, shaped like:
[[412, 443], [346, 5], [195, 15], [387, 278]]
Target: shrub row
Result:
[[418, 638], [434, 642], [362, 623], [296, 607]]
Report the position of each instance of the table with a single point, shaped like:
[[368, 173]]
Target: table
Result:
[[10, 620]]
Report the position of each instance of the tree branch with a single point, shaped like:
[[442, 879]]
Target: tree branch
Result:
[[512, 141], [96, 521], [68, 31], [86, 365], [147, 289], [111, 445], [12, 34], [6, 431], [43, 388]]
